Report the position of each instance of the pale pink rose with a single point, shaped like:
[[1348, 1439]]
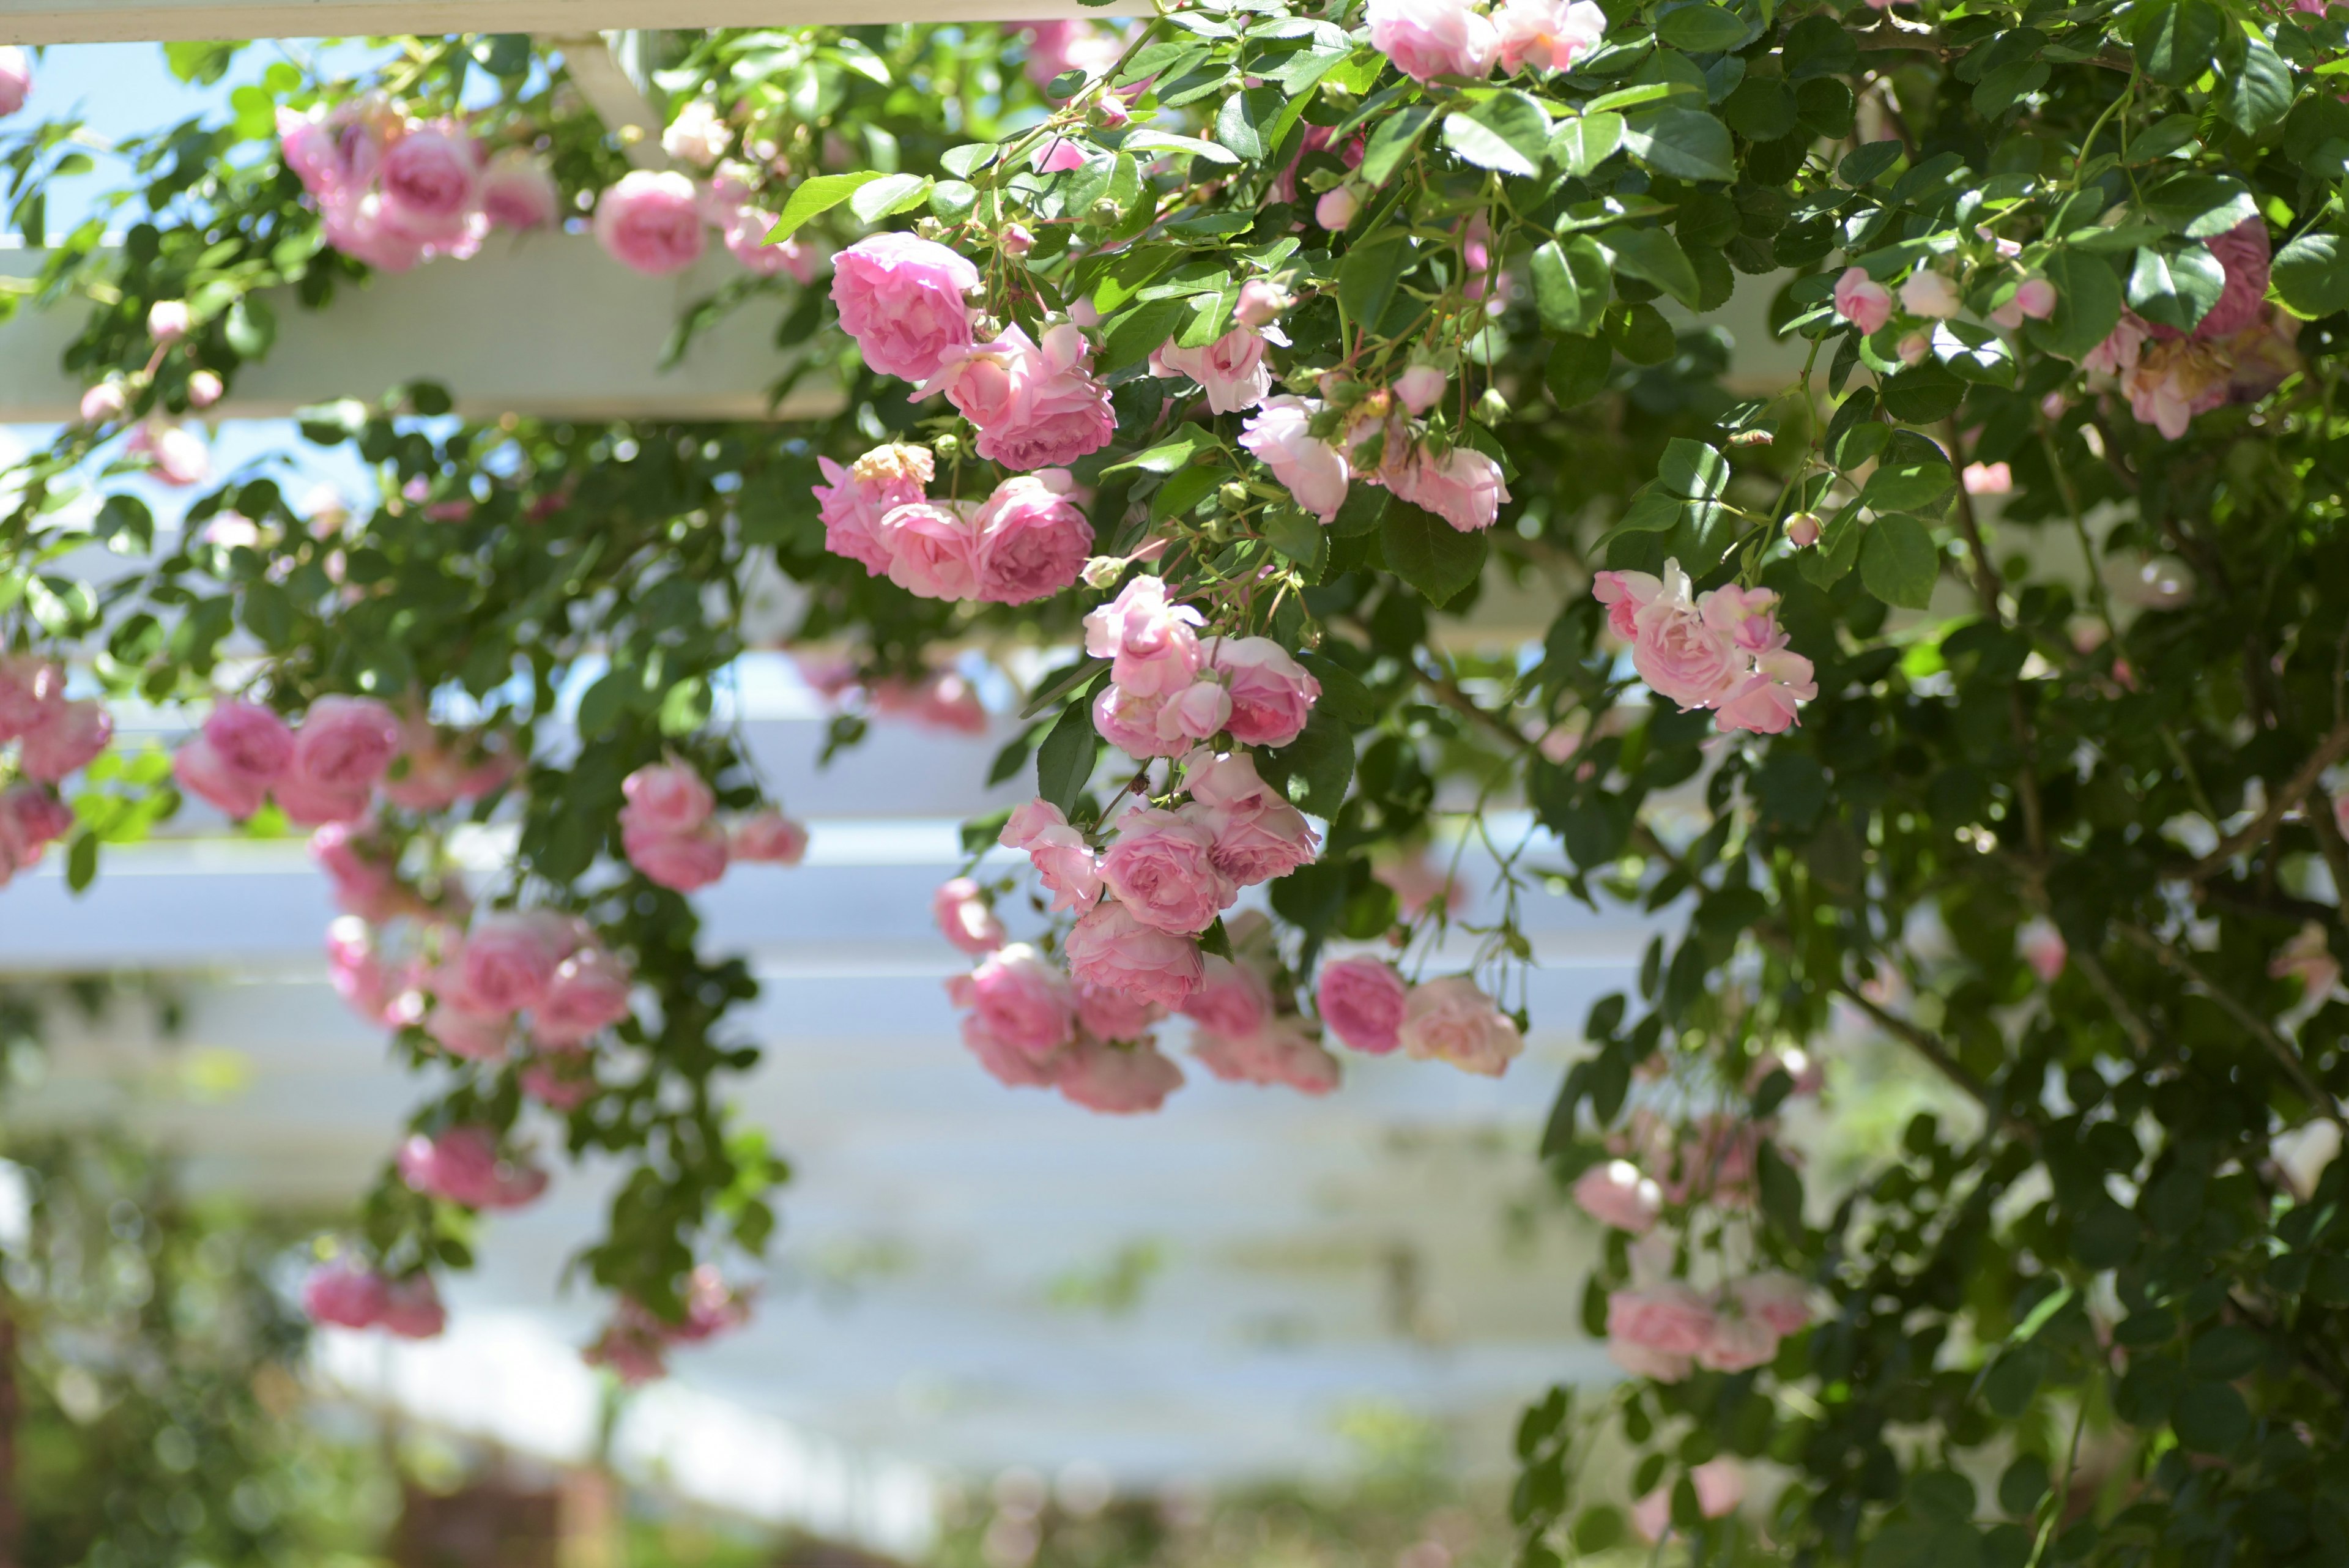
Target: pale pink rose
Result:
[[204, 390], [1059, 156], [1766, 702], [336, 154], [1021, 999], [1719, 1485], [1109, 947], [1036, 405], [1196, 712], [463, 1165], [177, 453], [699, 135], [200, 769], [1428, 38], [1151, 641], [2309, 959], [15, 78], [2174, 380], [902, 298], [67, 737], [802, 257], [344, 1295], [104, 403], [2034, 299], [563, 1083], [1261, 303], [31, 692], [1550, 35], [364, 885], [1928, 293], [360, 227], [1062, 859], [651, 223], [517, 191], [589, 992], [1032, 539], [1670, 1318], [1119, 1080], [1987, 479], [933, 548], [1464, 488], [508, 960], [432, 180], [1006, 1063], [250, 741], [1282, 1051], [1421, 387], [1737, 1345], [768, 838], [1676, 652], [1231, 370], [1137, 726], [1802, 530], [1615, 1193], [1258, 835], [1313, 471], [168, 321], [1233, 1000], [357, 973], [1337, 207], [1029, 822], [1664, 1366], [1625, 594], [1913, 347], [665, 797], [965, 919], [1054, 47], [1778, 1301], [991, 384], [343, 745], [854, 499], [412, 1309], [683, 862], [469, 1033], [2243, 254], [1361, 1002], [1162, 868], [2041, 946], [1862, 301], [1451, 1019], [628, 1353], [1272, 695], [1108, 1014]]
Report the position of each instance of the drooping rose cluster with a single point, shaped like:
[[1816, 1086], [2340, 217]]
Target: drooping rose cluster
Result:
[[327, 771], [346, 1295], [635, 1345], [1318, 451], [53, 737], [2239, 351], [1171, 689], [465, 1165], [942, 700], [395, 191], [670, 833], [1667, 1329], [1027, 541], [1721, 649], [1429, 39]]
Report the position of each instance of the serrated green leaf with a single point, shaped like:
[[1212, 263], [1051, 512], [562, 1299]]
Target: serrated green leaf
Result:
[[2312, 277], [1897, 562], [1685, 143], [1506, 132], [1429, 553], [816, 196], [2176, 286], [889, 194], [1571, 285], [1654, 256]]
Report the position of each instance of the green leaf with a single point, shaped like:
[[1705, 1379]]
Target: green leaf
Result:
[[1369, 274], [1923, 394], [890, 194], [2087, 305], [1824, 564], [126, 525], [1239, 123], [2261, 93], [2211, 1418], [1429, 553], [1702, 30], [1913, 477], [2178, 287], [2200, 206], [815, 196], [1298, 538], [1064, 763], [1762, 108], [1692, 471], [1997, 92], [1319, 764], [1187, 146], [1653, 510], [968, 159], [81, 862], [1654, 256], [1866, 165], [1506, 132], [1579, 370], [2177, 40], [2312, 277], [1897, 562], [1685, 143], [1571, 284], [1578, 145], [1974, 353], [1391, 142]]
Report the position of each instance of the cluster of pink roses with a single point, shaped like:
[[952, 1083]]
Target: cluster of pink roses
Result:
[[669, 830], [1366, 1004], [1170, 688], [349, 1297], [1429, 39], [2239, 352], [395, 191], [1666, 1330], [942, 700], [635, 1342], [1034, 1025], [1931, 297], [1027, 541], [54, 738], [325, 771], [1317, 451], [1721, 649], [906, 301], [464, 1165]]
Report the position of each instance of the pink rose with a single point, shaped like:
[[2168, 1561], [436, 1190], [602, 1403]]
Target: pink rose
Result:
[[517, 191], [1162, 869], [1766, 702], [508, 960], [1231, 370], [1428, 38], [432, 180], [651, 223], [15, 78], [1272, 696], [1150, 641], [177, 453], [1110, 948], [65, 739], [1057, 46], [364, 885], [768, 838], [344, 1295], [932, 548], [1677, 653], [665, 797], [1258, 835], [1987, 479], [1737, 1345], [1464, 488], [1337, 207], [199, 768], [1233, 1000], [463, 1165], [561, 1083], [1062, 859], [1625, 594], [965, 919], [855, 500], [468, 1032], [104, 403], [31, 692], [746, 230], [1313, 471], [1778, 1301], [1421, 387], [2041, 946], [1009, 1065], [168, 321], [1059, 156], [204, 390], [1862, 301], [1548, 34], [1035, 406], [343, 745], [1615, 1193], [2242, 251], [1670, 1318], [1452, 1021], [357, 972], [1119, 1080], [335, 154], [1261, 303], [1283, 1051], [1108, 1014], [412, 1309], [1361, 1002], [683, 862], [1021, 999], [1196, 712], [250, 741], [1032, 539], [1139, 726], [589, 992], [359, 229], [902, 299]]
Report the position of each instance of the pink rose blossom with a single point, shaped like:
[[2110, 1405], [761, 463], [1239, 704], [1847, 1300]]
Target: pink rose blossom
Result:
[[651, 223], [104, 403], [343, 745], [1451, 1019], [1063, 860], [561, 1083], [768, 838], [1059, 156], [665, 797], [335, 154], [1802, 530], [1428, 38], [359, 229], [364, 885], [1149, 640], [1232, 1000], [1464, 488], [1987, 479], [1231, 370], [1779, 1302], [1257, 835], [683, 862], [463, 1165], [2041, 946], [32, 689], [1283, 1051], [1862, 301], [902, 298], [2243, 254], [468, 1032], [1261, 303], [589, 992], [1615, 1193], [250, 741], [508, 960], [357, 970], [1032, 539], [1664, 1366], [1272, 695], [1766, 702], [854, 499], [517, 191], [932, 548], [699, 135], [1337, 207], [168, 321], [177, 453], [965, 919], [344, 1295], [1054, 47], [1313, 471], [432, 181], [1421, 387], [1196, 712], [1678, 652], [1006, 1063], [67, 738], [1361, 1002], [199, 769], [1737, 1345], [746, 230], [1108, 1014], [1021, 999], [1719, 1485], [412, 1309], [1119, 1080], [1036, 405], [1548, 34], [1929, 293], [1139, 726], [1668, 1318], [204, 390], [1418, 886], [1162, 869], [1111, 948], [15, 78]]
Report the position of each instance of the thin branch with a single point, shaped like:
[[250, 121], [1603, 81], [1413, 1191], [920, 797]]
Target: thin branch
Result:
[[2258, 1028], [2131, 1023], [2331, 750], [1935, 1050]]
